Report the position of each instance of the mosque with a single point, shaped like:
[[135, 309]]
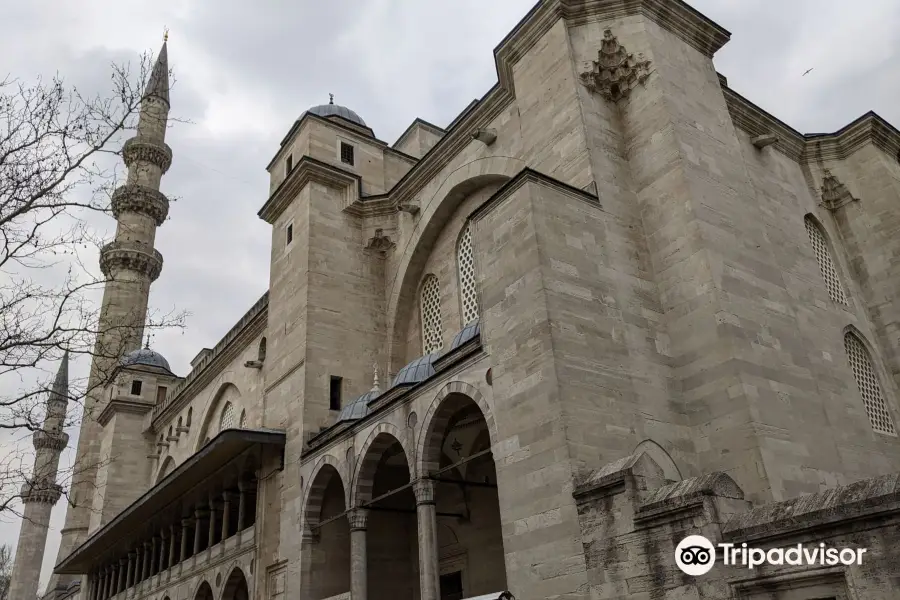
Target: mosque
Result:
[[612, 304]]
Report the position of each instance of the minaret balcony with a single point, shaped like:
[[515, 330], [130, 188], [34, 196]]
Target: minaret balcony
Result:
[[41, 491], [140, 149], [54, 440], [135, 198], [133, 256]]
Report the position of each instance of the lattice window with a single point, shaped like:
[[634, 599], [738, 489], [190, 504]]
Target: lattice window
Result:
[[431, 315], [826, 264], [243, 422], [227, 419], [869, 387], [465, 260]]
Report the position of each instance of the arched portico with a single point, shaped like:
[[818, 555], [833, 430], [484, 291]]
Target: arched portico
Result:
[[325, 551], [204, 592], [236, 587]]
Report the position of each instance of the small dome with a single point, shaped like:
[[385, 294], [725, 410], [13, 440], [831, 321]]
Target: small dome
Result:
[[468, 333], [146, 357], [336, 110], [416, 371], [359, 408]]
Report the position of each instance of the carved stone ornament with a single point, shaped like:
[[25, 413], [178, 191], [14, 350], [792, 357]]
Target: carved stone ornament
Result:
[[615, 72], [834, 193], [140, 199], [133, 256], [380, 243], [138, 148]]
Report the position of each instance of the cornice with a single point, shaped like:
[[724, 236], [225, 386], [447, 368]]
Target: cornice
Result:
[[309, 170], [371, 206], [141, 199], [336, 121], [247, 328], [755, 121], [422, 124], [117, 405]]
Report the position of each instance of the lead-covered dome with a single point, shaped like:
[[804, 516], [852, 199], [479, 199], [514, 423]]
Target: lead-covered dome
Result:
[[468, 333], [336, 110], [359, 408], [418, 370], [145, 357]]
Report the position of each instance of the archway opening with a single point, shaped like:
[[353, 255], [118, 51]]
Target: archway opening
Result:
[[236, 587], [457, 456], [330, 554], [204, 592], [391, 536]]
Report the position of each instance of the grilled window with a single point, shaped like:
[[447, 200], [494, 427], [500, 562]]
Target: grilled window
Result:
[[869, 385]]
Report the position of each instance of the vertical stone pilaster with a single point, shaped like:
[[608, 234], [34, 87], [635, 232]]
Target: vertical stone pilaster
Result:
[[358, 562], [426, 513]]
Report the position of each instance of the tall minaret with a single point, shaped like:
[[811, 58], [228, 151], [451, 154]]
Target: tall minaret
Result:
[[130, 264], [41, 491]]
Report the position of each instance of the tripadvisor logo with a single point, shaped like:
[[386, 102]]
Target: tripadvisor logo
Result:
[[695, 555]]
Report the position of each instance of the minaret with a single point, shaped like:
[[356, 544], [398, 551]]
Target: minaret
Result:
[[130, 264], [41, 492]]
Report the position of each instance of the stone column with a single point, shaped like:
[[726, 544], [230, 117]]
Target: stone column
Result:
[[185, 526], [123, 571], [164, 537], [147, 558], [426, 512], [171, 546], [198, 518], [308, 539], [226, 514], [358, 562], [242, 505], [104, 577], [211, 541], [129, 578], [153, 556]]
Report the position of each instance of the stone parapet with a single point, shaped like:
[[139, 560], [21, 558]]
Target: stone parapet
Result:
[[155, 153], [140, 199], [55, 440], [41, 491], [133, 256]]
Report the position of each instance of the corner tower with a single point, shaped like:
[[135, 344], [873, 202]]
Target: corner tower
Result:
[[130, 264], [41, 491]]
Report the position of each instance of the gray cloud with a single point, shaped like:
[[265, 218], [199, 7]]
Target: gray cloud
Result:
[[244, 73]]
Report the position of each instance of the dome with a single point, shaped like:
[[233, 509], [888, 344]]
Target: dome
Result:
[[416, 371], [336, 110], [146, 357], [468, 333], [359, 408]]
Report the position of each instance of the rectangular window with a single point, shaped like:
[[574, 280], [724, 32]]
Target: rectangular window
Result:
[[136, 387], [346, 153], [290, 234], [451, 586], [334, 393], [289, 165], [160, 395]]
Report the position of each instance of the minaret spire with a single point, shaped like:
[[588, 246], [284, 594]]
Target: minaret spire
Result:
[[41, 491], [131, 264]]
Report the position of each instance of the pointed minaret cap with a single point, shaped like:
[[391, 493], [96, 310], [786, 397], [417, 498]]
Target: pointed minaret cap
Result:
[[61, 383], [158, 85]]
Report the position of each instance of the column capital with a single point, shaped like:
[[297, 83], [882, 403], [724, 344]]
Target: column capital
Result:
[[358, 518], [147, 545], [187, 521], [424, 491]]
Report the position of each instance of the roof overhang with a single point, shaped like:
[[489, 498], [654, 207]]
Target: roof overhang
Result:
[[218, 453]]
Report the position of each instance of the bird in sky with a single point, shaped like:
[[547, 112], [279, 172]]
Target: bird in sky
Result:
[[807, 71]]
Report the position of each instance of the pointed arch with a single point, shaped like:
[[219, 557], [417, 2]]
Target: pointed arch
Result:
[[465, 269], [167, 467], [430, 314], [203, 591], [227, 393], [237, 586], [869, 381], [661, 457], [380, 439], [824, 252], [322, 474]]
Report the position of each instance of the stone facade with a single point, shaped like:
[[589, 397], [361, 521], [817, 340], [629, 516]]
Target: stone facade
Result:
[[684, 323]]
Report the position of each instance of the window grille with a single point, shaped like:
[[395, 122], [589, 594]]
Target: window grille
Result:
[[466, 262], [826, 264], [243, 422], [431, 315], [347, 153], [227, 419], [869, 387]]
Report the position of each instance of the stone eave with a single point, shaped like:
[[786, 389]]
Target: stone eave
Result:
[[215, 455], [446, 361], [528, 175], [308, 170], [753, 120], [118, 405], [324, 439], [247, 328], [371, 206], [336, 121], [417, 124]]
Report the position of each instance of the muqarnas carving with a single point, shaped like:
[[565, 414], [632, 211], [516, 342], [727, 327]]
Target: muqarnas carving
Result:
[[615, 72], [834, 193]]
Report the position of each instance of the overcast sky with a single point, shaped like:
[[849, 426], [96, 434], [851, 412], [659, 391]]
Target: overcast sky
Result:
[[246, 70]]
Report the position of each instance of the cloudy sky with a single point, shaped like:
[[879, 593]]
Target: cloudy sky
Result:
[[245, 70]]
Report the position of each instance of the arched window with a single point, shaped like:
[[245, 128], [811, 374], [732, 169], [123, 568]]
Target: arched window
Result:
[[826, 264], [431, 315], [243, 422], [465, 262], [261, 353], [869, 385], [226, 421], [190, 412]]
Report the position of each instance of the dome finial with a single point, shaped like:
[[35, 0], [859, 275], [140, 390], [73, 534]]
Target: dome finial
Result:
[[330, 98], [147, 345], [375, 386], [166, 35]]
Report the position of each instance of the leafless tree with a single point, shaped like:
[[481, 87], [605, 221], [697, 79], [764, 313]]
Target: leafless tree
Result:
[[6, 565], [59, 163]]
